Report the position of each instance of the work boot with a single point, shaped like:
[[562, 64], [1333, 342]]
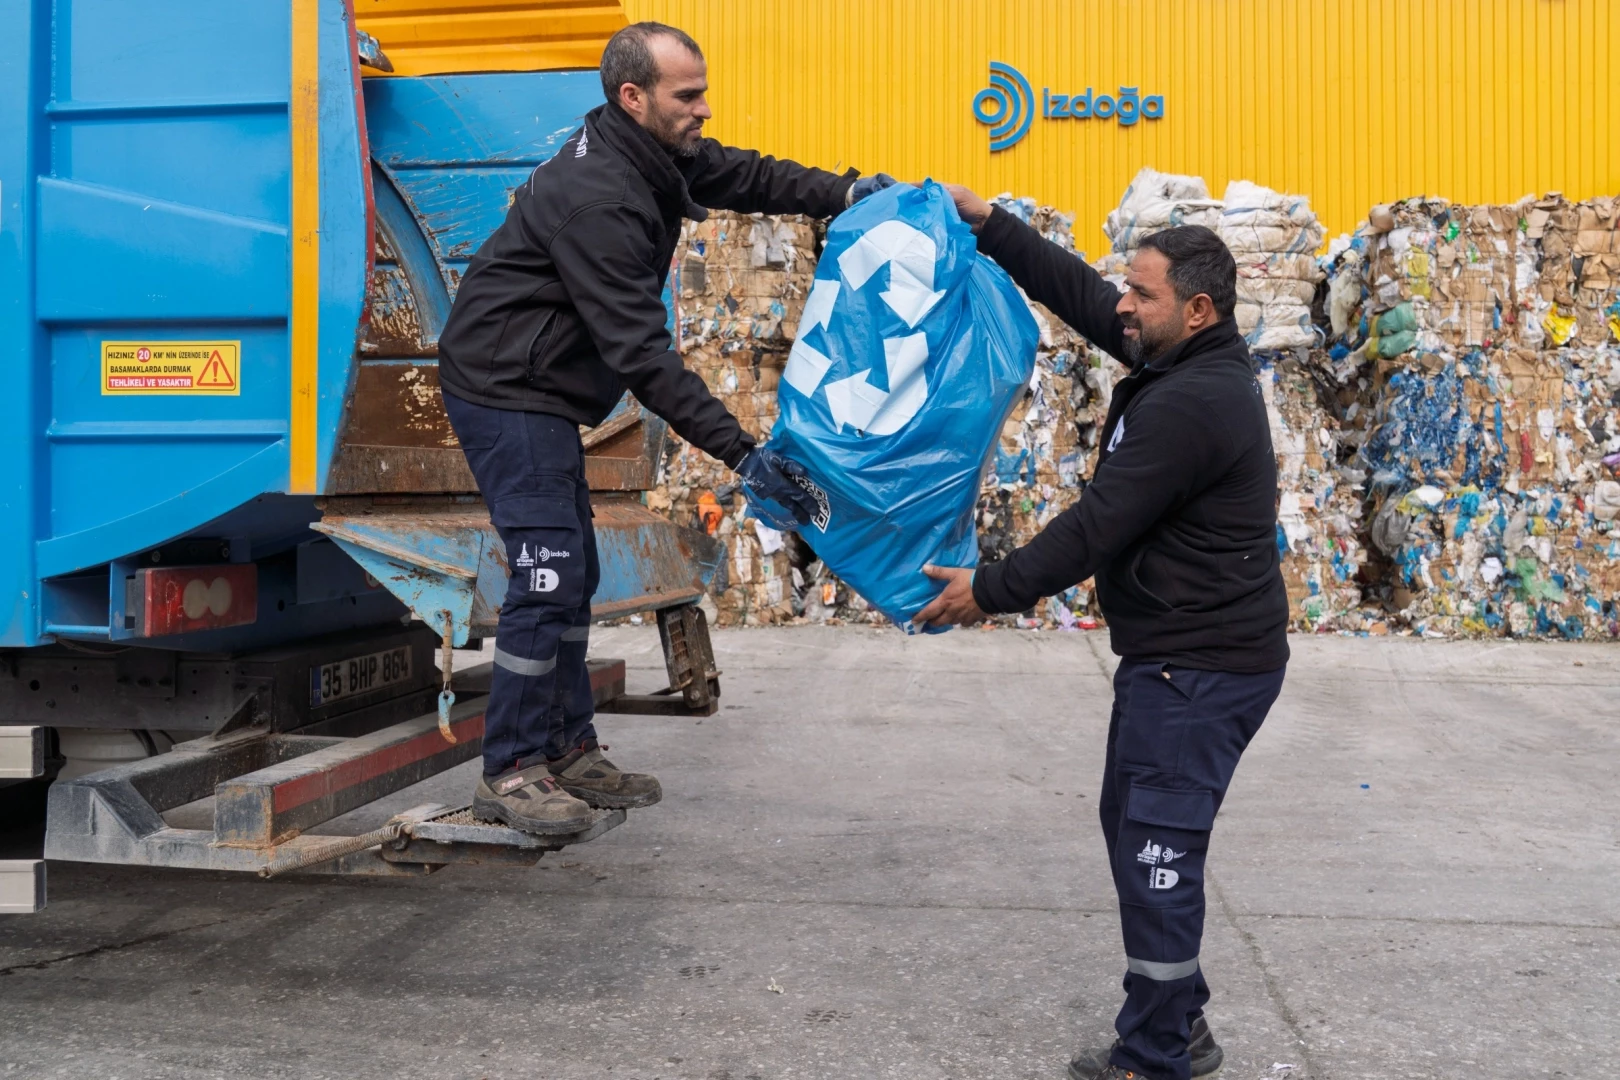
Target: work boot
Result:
[[584, 773], [527, 797], [1201, 1046]]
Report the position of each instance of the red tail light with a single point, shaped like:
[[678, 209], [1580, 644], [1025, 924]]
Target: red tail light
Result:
[[181, 599]]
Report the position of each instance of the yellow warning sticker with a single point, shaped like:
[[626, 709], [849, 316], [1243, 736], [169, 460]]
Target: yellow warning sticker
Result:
[[171, 367]]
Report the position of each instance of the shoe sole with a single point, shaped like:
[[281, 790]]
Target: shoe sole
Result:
[[601, 800], [1202, 1068], [489, 808]]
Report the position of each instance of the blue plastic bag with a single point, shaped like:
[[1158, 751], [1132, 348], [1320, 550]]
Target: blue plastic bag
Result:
[[912, 350]]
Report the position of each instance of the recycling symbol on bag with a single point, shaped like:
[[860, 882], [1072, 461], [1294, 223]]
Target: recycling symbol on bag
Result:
[[854, 401]]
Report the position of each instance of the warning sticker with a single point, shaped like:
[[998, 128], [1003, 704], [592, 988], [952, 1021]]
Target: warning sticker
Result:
[[171, 367]]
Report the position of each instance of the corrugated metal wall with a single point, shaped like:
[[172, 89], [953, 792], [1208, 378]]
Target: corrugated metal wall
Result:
[[1350, 102], [426, 37]]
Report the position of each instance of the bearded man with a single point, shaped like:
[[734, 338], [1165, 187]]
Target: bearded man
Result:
[[559, 312], [1178, 526]]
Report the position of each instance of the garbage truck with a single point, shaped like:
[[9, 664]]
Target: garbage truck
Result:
[[239, 543]]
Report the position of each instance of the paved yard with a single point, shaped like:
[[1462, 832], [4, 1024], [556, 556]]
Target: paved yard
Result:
[[881, 859]]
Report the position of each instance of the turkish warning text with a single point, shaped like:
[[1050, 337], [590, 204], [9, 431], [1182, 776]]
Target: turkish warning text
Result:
[[171, 367]]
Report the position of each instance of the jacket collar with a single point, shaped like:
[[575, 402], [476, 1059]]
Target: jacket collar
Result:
[[621, 132], [1222, 335]]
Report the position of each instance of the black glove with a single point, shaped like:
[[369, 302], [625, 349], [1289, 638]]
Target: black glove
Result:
[[782, 485], [866, 185]]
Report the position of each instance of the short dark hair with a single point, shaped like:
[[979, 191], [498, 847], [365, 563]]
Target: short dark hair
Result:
[[1200, 262], [628, 57]]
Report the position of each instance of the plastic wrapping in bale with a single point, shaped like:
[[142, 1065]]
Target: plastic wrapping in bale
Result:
[[912, 350]]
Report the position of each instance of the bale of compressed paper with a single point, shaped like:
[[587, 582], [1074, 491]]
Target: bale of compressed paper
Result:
[[1319, 521], [739, 283]]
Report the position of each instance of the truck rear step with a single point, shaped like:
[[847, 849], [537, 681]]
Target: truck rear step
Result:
[[269, 789]]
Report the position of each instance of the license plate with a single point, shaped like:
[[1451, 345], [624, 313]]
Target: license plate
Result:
[[358, 675]]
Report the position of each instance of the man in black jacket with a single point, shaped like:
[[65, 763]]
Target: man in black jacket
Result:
[[1178, 527], [559, 312]]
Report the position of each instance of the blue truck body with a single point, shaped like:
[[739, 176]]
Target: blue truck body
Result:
[[216, 186]]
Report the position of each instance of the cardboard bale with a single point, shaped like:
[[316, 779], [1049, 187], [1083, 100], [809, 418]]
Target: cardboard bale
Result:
[[1318, 503], [739, 283], [1491, 494]]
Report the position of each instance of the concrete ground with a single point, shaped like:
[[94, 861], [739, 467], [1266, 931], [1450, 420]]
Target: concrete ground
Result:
[[881, 859]]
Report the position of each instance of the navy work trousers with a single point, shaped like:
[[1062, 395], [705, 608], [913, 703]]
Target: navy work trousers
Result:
[[1174, 740], [531, 470]]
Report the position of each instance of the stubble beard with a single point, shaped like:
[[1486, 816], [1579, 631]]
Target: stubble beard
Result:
[[1146, 347], [668, 134]]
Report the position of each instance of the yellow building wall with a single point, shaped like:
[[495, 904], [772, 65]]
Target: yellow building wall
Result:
[[1350, 102], [427, 37]]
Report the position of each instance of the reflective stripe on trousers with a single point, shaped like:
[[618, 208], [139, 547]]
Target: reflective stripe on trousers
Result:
[[1174, 741]]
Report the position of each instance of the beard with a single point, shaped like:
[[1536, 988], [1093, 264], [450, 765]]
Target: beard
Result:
[[1149, 343], [671, 133]]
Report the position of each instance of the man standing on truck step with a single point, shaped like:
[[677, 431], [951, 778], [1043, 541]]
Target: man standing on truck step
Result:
[[559, 312], [1178, 525]]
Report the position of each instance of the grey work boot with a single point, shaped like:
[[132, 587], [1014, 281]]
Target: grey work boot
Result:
[[527, 798], [584, 773], [1206, 1056]]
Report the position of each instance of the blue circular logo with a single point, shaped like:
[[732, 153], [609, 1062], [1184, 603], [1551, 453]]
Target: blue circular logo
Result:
[[1007, 105]]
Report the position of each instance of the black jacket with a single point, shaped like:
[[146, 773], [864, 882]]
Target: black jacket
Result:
[[1179, 521], [561, 309]]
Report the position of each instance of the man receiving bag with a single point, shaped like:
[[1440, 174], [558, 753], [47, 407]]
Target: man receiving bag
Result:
[[1178, 527]]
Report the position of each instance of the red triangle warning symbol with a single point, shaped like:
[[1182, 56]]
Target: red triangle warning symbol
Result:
[[216, 374]]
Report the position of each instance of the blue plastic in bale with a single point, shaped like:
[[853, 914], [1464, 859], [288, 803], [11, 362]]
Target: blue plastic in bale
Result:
[[911, 351]]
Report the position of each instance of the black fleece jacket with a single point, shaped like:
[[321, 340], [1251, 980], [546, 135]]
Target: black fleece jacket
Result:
[[1179, 522], [561, 309]]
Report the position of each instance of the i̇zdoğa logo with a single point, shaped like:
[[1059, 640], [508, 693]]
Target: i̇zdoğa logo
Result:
[[1007, 105]]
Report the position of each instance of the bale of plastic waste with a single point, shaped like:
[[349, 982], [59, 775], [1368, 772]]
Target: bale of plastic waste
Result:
[[1274, 239], [1156, 201]]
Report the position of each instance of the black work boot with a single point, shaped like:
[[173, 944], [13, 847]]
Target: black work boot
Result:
[[527, 797], [584, 773], [1206, 1056]]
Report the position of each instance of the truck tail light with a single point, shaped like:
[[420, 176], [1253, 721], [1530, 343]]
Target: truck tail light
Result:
[[180, 599]]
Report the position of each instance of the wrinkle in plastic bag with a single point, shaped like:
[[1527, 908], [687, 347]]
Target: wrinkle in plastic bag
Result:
[[912, 351]]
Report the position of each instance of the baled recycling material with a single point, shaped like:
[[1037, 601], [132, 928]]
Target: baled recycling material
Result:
[[1273, 239], [1155, 201], [739, 283], [911, 351], [1486, 361], [1448, 456]]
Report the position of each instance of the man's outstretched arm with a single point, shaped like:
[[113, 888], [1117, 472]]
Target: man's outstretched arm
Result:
[[1060, 279], [753, 183]]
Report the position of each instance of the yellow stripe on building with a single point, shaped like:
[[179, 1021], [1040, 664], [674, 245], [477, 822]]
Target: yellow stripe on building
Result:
[[1350, 102], [304, 327], [428, 37]]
